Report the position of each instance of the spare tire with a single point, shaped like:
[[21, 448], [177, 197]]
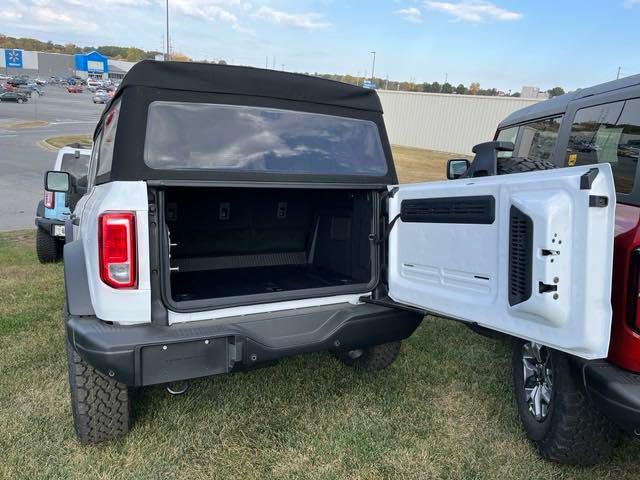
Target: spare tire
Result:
[[519, 164]]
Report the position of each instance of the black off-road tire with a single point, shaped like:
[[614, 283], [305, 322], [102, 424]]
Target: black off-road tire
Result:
[[377, 357], [48, 248], [100, 405], [520, 165], [573, 432]]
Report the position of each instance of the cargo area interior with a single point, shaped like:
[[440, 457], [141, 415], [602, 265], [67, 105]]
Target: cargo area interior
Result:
[[230, 242]]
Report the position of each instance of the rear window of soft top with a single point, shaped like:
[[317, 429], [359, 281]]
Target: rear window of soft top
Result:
[[188, 136]]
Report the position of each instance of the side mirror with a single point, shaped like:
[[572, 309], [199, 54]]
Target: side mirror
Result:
[[457, 167], [55, 181]]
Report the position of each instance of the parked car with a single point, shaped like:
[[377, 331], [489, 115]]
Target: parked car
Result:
[[53, 209], [17, 81], [573, 409], [74, 89], [28, 90], [307, 242], [101, 97], [13, 97]]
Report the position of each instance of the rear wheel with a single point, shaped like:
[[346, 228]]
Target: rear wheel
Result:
[[20, 100], [100, 405], [554, 411], [48, 248], [376, 357]]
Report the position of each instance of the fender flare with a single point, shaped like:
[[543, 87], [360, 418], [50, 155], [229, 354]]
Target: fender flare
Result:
[[76, 282]]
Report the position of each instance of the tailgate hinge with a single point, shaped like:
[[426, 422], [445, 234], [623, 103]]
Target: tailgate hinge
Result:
[[598, 201], [389, 193]]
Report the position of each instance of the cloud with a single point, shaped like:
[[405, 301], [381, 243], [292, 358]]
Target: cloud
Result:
[[48, 16], [10, 15], [307, 21], [211, 10], [474, 10], [629, 4], [410, 14]]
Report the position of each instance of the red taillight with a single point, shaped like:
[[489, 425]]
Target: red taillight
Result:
[[634, 291], [117, 249], [49, 199]]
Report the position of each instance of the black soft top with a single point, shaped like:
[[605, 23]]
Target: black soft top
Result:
[[235, 80], [558, 105], [149, 81]]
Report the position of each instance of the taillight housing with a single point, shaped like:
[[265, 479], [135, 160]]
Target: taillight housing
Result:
[[49, 199], [117, 249], [633, 293]]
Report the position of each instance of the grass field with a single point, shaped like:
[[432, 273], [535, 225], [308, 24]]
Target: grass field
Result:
[[61, 141], [444, 409]]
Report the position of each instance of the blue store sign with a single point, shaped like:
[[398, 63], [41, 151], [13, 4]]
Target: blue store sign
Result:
[[13, 58]]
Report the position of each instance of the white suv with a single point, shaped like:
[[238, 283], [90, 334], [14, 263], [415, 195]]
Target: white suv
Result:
[[235, 216]]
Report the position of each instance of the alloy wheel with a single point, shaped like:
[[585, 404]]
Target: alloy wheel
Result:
[[537, 369]]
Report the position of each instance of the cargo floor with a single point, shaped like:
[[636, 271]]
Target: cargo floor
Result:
[[253, 280]]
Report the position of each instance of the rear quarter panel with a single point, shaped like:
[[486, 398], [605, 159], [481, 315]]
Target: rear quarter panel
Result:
[[123, 306], [624, 348]]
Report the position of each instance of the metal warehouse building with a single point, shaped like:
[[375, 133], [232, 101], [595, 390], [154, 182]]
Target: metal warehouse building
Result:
[[445, 122], [45, 65]]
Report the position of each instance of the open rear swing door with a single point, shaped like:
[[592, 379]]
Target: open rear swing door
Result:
[[528, 254]]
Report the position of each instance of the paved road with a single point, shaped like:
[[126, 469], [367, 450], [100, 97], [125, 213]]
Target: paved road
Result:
[[23, 161]]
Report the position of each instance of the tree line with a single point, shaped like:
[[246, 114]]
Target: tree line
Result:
[[131, 54], [134, 54], [433, 87]]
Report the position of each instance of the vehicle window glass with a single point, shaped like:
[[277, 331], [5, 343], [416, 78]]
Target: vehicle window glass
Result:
[[78, 167], [93, 163], [536, 140], [507, 135], [608, 134], [228, 137], [108, 139]]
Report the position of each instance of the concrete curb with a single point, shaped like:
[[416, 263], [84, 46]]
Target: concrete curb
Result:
[[45, 146]]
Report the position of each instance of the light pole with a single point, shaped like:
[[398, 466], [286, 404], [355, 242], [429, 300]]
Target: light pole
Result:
[[373, 66], [168, 55]]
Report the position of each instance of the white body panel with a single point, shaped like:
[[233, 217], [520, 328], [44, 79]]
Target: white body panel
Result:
[[177, 317], [124, 306], [64, 150], [133, 306], [461, 270]]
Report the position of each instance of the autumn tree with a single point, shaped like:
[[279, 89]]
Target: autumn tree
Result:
[[555, 92]]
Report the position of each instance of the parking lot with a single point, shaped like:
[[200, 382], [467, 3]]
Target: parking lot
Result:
[[23, 156]]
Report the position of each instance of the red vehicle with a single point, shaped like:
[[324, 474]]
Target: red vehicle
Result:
[[74, 89], [572, 409]]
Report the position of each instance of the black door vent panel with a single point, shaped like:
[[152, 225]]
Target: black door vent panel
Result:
[[469, 210], [520, 256]]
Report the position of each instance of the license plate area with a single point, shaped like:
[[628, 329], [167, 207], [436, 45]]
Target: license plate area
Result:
[[58, 230], [171, 362]]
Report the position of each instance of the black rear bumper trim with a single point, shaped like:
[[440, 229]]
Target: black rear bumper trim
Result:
[[135, 355], [615, 392]]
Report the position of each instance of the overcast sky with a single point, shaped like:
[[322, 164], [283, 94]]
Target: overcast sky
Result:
[[500, 43]]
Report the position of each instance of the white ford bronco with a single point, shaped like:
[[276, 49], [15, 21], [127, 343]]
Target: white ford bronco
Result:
[[234, 216]]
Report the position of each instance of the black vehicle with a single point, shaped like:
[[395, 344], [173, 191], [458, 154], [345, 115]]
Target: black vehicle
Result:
[[237, 216], [13, 97]]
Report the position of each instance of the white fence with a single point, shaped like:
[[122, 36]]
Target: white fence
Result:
[[448, 123]]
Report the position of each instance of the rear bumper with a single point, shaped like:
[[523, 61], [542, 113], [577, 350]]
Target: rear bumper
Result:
[[615, 392], [48, 225], [151, 354]]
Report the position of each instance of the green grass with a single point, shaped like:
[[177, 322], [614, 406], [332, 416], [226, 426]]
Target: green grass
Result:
[[444, 409], [59, 142]]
